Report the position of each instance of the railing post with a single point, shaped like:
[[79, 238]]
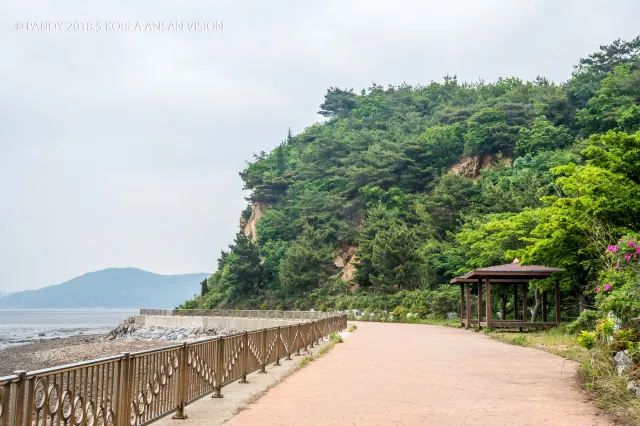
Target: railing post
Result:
[[278, 339], [289, 343], [182, 383], [17, 400], [124, 401], [310, 334], [298, 339], [245, 357], [220, 368], [263, 351]]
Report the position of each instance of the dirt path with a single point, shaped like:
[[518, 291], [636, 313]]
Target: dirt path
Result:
[[402, 374]]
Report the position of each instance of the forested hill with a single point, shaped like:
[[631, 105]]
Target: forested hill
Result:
[[404, 187]]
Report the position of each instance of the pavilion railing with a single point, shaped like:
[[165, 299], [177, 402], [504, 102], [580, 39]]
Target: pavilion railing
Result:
[[293, 315], [142, 387]]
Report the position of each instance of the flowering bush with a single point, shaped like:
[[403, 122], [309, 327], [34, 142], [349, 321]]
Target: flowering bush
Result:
[[619, 289], [627, 250]]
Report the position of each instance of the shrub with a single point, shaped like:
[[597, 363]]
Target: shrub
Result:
[[605, 328], [587, 339], [400, 313], [625, 339], [353, 328], [586, 321], [336, 338]]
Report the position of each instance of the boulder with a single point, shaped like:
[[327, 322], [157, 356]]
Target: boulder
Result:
[[633, 388], [623, 362]]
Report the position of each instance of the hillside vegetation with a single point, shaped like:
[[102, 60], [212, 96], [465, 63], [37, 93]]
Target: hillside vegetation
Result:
[[110, 288], [404, 187]]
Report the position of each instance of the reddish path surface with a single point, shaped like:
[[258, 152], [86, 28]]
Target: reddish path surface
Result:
[[402, 374]]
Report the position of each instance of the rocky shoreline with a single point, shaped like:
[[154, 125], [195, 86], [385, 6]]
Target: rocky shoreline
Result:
[[128, 330], [127, 337]]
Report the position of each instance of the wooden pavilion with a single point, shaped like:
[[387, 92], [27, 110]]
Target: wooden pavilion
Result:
[[510, 274]]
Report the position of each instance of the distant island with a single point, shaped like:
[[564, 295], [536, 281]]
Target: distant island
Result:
[[111, 288]]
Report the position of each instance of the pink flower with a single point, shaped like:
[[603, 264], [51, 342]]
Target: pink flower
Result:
[[598, 290], [627, 256], [612, 249], [606, 287], [617, 266], [631, 244]]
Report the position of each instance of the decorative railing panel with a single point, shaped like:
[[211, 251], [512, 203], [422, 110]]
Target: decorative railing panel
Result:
[[254, 353], [139, 388]]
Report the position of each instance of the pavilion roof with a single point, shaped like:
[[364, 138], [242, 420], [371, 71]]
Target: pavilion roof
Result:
[[510, 272]]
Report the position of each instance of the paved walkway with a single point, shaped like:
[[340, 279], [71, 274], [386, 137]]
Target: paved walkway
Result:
[[403, 374]]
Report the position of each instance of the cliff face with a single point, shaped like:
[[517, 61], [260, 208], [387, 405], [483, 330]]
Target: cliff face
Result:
[[249, 226], [347, 261], [471, 166]]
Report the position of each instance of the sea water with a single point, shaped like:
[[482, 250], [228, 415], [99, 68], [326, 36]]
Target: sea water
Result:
[[20, 326]]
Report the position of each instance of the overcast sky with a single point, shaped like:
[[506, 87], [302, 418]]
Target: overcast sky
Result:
[[123, 148]]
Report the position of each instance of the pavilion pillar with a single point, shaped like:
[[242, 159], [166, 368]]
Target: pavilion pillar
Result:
[[479, 302], [524, 302], [503, 308], [488, 313], [557, 303], [468, 307], [544, 306], [515, 302], [462, 305]]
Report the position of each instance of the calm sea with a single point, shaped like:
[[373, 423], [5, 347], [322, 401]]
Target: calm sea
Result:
[[20, 326]]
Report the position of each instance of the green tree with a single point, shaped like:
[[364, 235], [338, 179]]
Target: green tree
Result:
[[542, 136], [395, 260], [307, 263]]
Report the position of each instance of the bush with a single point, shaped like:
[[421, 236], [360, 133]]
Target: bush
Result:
[[605, 328], [400, 313], [587, 339], [586, 321], [336, 338], [625, 339]]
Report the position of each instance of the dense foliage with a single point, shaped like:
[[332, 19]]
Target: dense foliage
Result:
[[428, 182]]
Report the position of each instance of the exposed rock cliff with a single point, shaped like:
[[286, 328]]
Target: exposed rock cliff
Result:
[[471, 166], [347, 261], [249, 226]]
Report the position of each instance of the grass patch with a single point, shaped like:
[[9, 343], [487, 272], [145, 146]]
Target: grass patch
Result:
[[556, 341], [306, 361], [599, 376], [326, 348], [353, 328], [520, 340]]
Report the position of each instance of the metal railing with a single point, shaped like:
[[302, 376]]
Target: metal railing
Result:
[[294, 315], [140, 388]]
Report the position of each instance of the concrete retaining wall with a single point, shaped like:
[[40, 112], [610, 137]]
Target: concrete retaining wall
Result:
[[212, 322]]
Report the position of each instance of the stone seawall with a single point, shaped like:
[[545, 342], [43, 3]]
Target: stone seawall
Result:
[[208, 322], [130, 330], [185, 328]]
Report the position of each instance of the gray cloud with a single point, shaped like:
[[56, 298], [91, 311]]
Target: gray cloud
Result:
[[123, 148]]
